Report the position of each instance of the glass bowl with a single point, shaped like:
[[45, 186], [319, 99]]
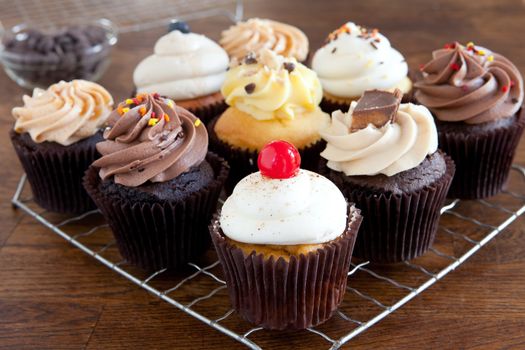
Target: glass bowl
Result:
[[38, 58]]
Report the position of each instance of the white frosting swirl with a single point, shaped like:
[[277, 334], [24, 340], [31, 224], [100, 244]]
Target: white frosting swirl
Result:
[[305, 209], [65, 113], [353, 62], [183, 66], [389, 150]]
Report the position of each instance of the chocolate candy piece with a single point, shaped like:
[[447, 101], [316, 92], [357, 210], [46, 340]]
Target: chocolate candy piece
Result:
[[376, 107]]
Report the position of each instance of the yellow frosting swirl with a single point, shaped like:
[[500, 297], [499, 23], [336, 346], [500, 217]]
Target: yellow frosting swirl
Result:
[[270, 86], [65, 113]]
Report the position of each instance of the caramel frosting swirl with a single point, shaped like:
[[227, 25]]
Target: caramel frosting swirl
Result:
[[150, 139], [470, 84], [65, 113], [256, 34]]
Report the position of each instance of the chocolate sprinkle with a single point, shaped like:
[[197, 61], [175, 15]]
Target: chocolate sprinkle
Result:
[[250, 88], [373, 45], [514, 100], [289, 66], [334, 49]]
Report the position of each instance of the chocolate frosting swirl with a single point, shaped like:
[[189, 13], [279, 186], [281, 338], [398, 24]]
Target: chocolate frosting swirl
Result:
[[149, 138], [470, 84]]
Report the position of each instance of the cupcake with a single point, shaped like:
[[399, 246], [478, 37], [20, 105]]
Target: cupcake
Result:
[[54, 137], [270, 98], [476, 97], [383, 155], [188, 68], [355, 59], [285, 239], [156, 184], [256, 34]]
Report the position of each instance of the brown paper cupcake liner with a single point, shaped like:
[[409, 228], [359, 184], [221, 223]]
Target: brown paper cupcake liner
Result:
[[483, 159], [397, 227], [296, 294], [166, 234], [244, 162], [55, 172]]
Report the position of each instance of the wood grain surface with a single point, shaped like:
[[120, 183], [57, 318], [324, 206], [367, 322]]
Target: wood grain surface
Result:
[[54, 297]]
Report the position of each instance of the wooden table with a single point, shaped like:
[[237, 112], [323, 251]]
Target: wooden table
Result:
[[52, 296]]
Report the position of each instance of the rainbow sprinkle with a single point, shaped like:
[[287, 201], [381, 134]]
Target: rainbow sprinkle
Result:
[[129, 101], [142, 111], [197, 122], [153, 121], [166, 117]]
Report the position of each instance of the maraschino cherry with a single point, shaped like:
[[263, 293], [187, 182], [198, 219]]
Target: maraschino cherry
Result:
[[279, 160]]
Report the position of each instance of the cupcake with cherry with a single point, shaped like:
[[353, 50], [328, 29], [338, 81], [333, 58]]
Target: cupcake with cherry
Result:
[[270, 97], [384, 157], [291, 233]]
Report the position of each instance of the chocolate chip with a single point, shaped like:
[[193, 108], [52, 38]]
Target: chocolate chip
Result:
[[334, 49], [250, 58], [250, 88], [289, 66]]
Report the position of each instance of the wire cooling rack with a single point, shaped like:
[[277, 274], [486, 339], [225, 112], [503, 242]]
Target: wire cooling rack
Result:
[[374, 292], [128, 16]]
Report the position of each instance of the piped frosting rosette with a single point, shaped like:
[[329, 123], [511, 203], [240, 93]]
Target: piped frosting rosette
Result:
[[356, 59], [470, 84], [256, 34], [183, 66], [64, 113], [150, 138], [396, 146]]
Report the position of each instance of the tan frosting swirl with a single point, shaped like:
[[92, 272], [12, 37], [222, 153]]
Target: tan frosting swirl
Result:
[[470, 84], [256, 34], [64, 113], [150, 139]]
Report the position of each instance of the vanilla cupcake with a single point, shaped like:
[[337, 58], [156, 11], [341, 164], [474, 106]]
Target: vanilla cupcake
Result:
[[384, 158], [54, 137], [270, 98], [188, 68], [289, 233], [355, 59], [256, 34]]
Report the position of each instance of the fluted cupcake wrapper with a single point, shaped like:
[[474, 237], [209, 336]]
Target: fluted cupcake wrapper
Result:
[[296, 294], [483, 160], [244, 162], [55, 173], [398, 227], [166, 234]]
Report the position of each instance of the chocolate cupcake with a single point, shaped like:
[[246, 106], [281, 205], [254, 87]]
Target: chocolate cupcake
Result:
[[188, 68], [355, 59], [384, 158], [256, 34], [476, 97], [155, 183], [270, 98], [54, 137], [284, 239]]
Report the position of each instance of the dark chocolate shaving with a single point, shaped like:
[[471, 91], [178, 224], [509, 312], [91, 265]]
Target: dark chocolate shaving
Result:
[[289, 66], [250, 88], [377, 108]]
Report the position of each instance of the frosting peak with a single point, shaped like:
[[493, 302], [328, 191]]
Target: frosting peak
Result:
[[304, 209], [65, 113], [150, 139], [256, 34], [390, 149], [269, 86], [183, 66], [469, 84], [356, 59]]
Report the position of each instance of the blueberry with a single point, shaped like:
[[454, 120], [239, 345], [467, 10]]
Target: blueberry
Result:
[[181, 26]]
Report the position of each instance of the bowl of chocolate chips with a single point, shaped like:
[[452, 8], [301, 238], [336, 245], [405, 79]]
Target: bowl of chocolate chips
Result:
[[38, 57]]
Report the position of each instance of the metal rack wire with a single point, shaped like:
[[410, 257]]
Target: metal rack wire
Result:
[[128, 16], [374, 292]]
